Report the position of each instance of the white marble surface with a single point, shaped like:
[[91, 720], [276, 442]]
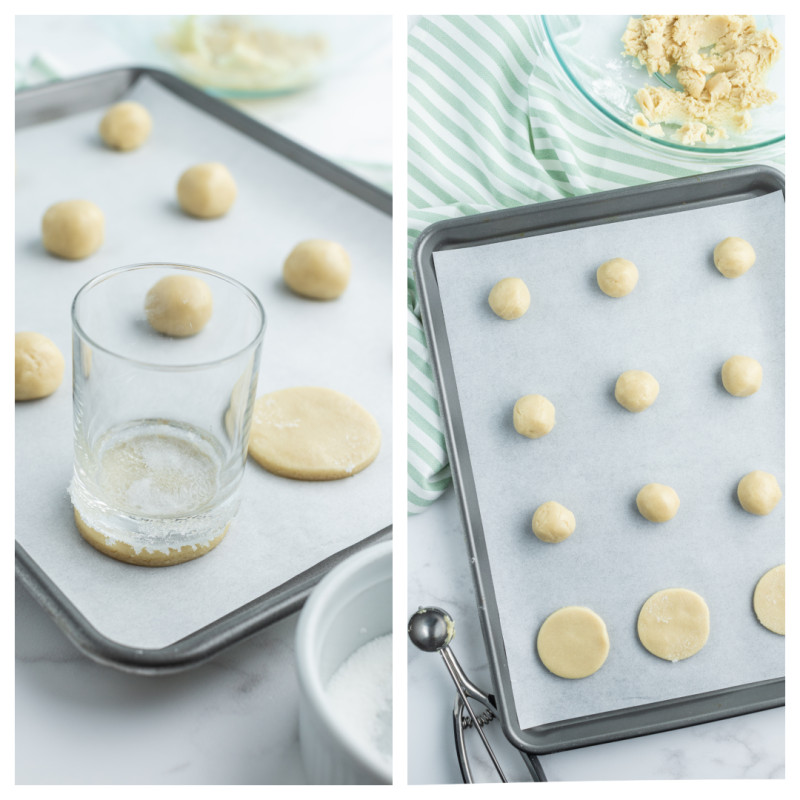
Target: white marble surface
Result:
[[751, 746]]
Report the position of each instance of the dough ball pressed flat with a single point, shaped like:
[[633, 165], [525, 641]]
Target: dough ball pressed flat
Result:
[[674, 624], [573, 642], [313, 434], [617, 277], [534, 416], [552, 522], [121, 551], [38, 366], [636, 390], [73, 229], [657, 503], [206, 190], [179, 305], [318, 269], [769, 600], [734, 256], [759, 492], [742, 376], [126, 126], [510, 298]]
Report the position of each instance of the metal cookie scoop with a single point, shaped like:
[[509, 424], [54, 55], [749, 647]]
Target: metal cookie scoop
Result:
[[432, 630]]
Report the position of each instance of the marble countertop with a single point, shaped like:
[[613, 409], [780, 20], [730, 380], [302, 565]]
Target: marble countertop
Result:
[[750, 746]]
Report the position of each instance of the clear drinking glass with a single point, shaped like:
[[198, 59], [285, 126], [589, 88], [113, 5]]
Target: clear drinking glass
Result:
[[161, 423]]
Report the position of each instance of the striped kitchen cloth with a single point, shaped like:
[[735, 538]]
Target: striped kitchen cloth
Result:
[[488, 129]]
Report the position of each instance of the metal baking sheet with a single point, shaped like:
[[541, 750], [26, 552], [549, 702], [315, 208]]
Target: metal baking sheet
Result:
[[500, 483], [287, 535]]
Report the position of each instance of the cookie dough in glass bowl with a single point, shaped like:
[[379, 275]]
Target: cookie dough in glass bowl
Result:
[[585, 57]]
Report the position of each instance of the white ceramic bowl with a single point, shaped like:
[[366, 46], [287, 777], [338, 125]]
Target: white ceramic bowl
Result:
[[351, 606]]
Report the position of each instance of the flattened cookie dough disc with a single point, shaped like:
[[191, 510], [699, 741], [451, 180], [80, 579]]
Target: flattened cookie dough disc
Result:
[[313, 434], [674, 624], [573, 642], [769, 600], [144, 558]]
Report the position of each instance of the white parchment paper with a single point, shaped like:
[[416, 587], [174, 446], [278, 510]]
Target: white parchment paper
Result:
[[681, 323], [285, 526]]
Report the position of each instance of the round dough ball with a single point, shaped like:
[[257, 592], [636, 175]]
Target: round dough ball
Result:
[[534, 416], [552, 522], [769, 600], [573, 642], [510, 298], [657, 503], [206, 190], [73, 229], [734, 256], [318, 269], [759, 492], [741, 376], [38, 366], [179, 305], [313, 434], [617, 277], [674, 624], [126, 126], [636, 390]]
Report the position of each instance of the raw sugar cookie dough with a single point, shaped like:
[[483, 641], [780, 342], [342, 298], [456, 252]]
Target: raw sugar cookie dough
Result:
[[318, 269], [742, 376], [769, 600], [313, 434], [552, 522], [179, 305], [534, 416], [38, 366], [126, 126], [734, 256], [636, 390], [121, 551], [657, 503], [73, 229], [759, 493], [617, 277], [674, 624], [573, 642], [510, 298], [206, 190]]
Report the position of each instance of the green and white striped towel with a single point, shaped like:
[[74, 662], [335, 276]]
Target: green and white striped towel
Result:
[[488, 129]]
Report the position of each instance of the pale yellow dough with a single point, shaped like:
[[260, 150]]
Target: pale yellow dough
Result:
[[674, 624], [206, 190], [617, 277], [510, 298], [313, 434], [742, 376], [534, 416], [318, 269], [720, 85], [573, 642], [636, 390], [126, 126], [769, 600], [552, 522], [759, 492], [73, 229], [179, 305], [734, 256], [657, 503], [144, 558], [38, 366]]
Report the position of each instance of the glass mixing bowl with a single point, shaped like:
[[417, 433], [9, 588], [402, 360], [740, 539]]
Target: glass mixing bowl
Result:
[[586, 52]]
